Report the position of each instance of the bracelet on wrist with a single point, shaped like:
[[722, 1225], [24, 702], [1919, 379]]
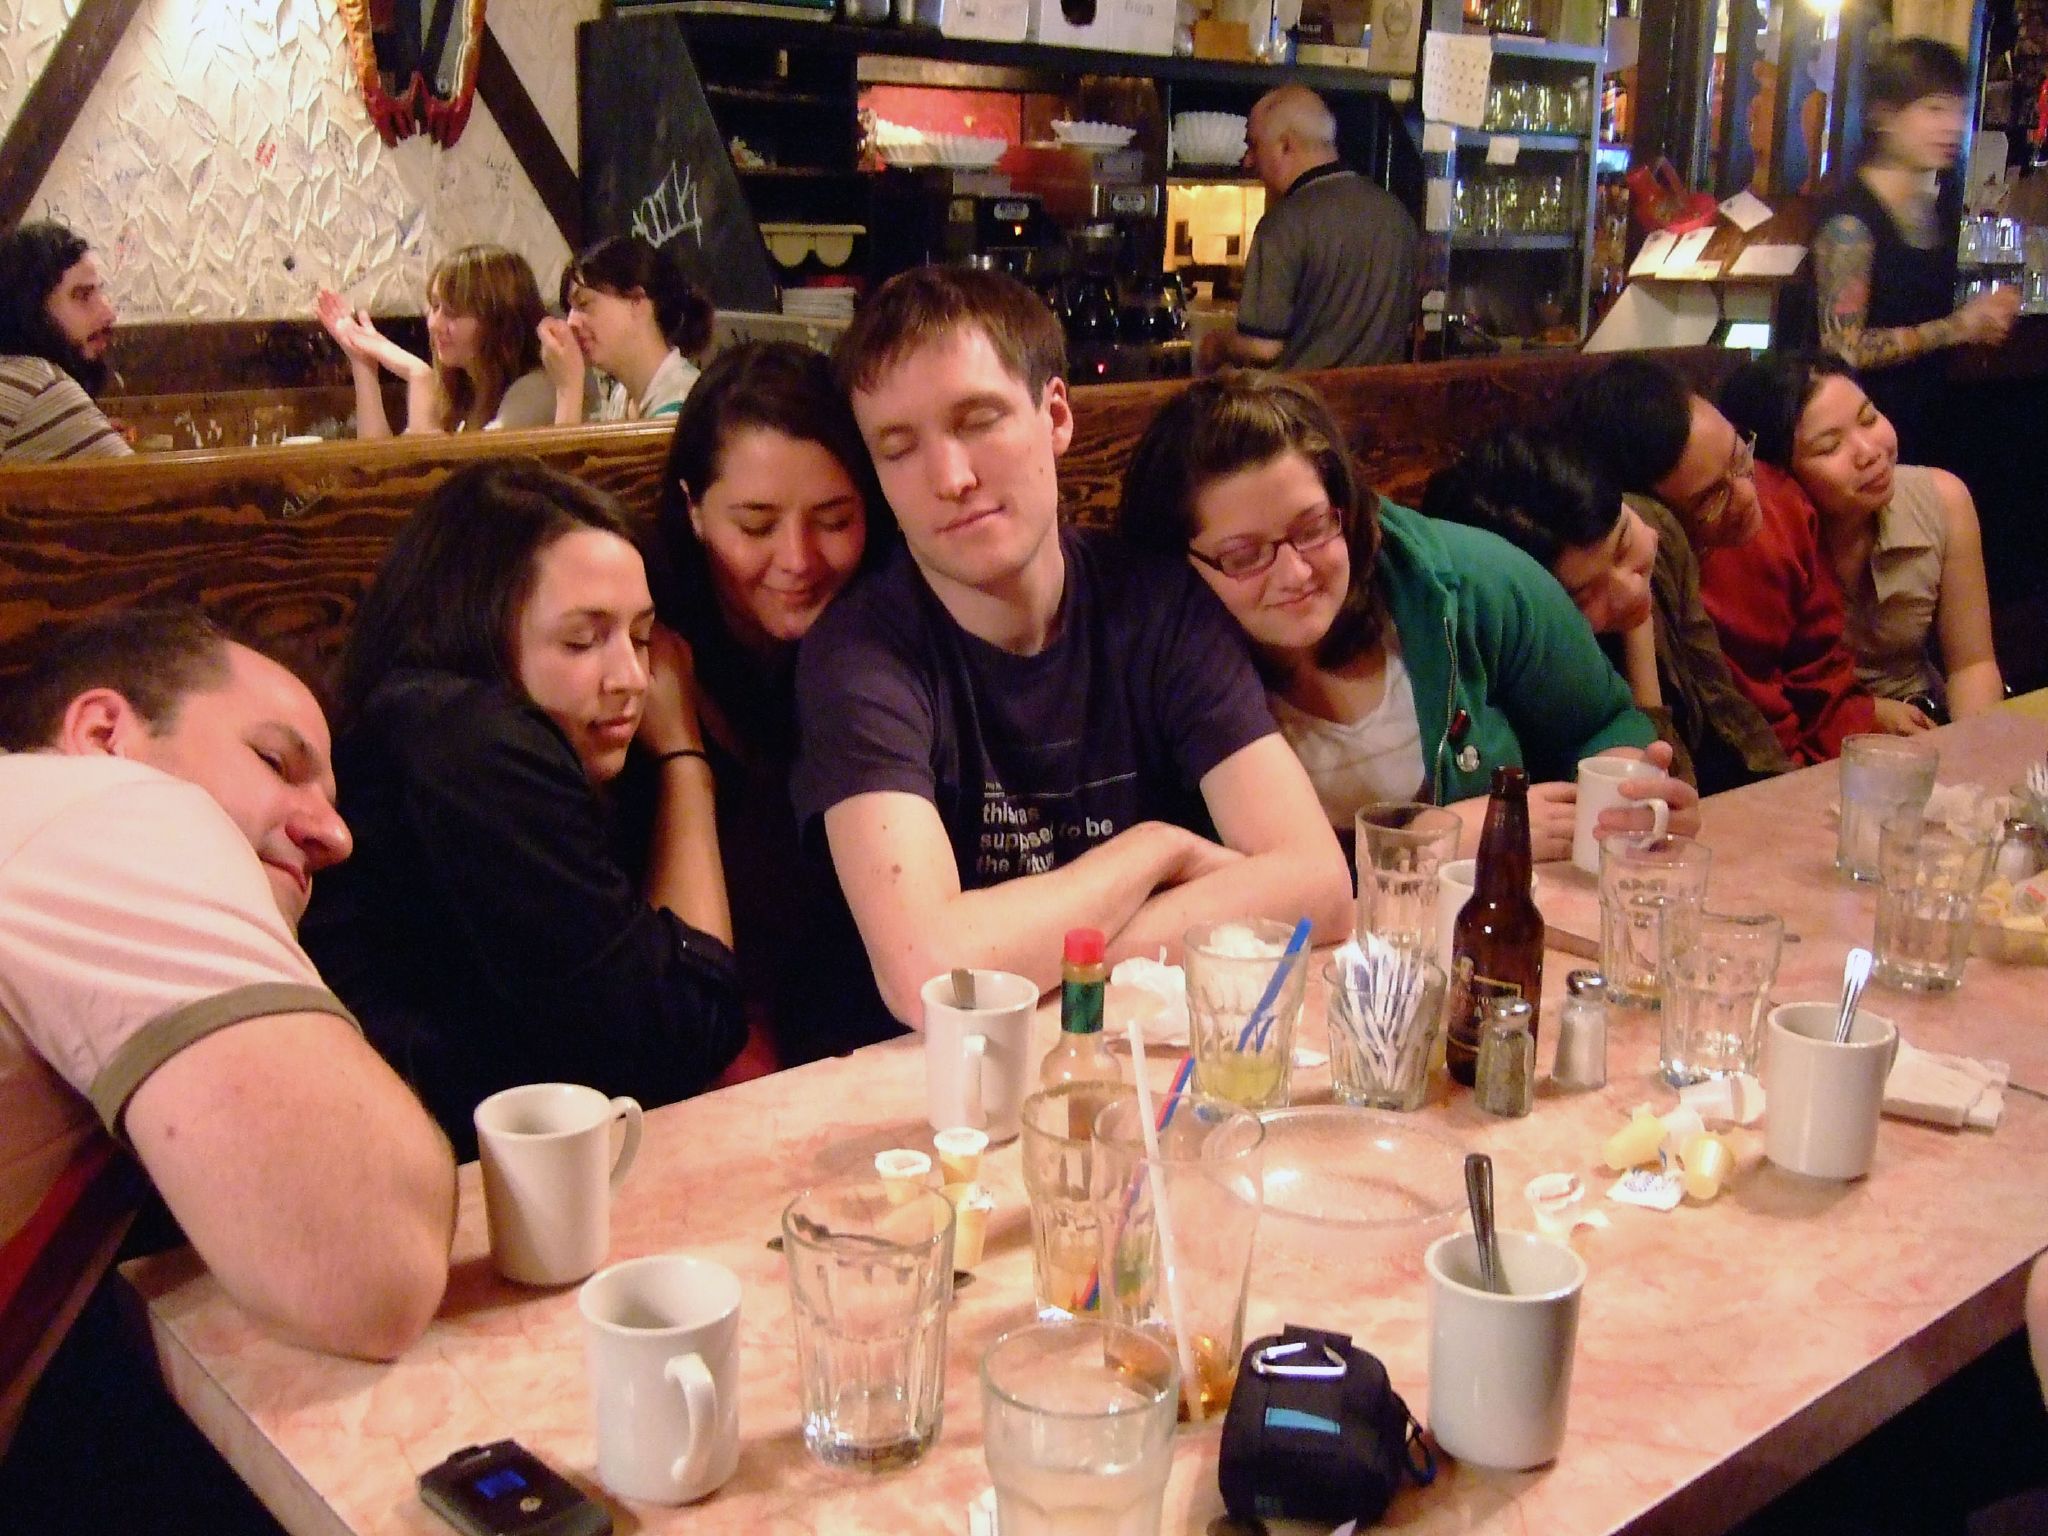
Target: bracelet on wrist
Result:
[[696, 752]]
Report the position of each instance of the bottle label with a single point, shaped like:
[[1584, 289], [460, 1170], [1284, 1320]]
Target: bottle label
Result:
[[1081, 1007]]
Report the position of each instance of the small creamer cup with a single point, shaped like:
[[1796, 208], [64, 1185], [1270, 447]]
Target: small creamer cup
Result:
[[1500, 1366], [978, 1063], [1822, 1101], [549, 1172], [662, 1338], [1599, 789]]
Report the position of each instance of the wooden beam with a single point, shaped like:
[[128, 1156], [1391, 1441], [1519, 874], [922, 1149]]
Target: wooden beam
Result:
[[51, 110], [532, 141]]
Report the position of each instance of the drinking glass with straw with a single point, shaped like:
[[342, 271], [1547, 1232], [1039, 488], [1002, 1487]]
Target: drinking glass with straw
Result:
[[1246, 981]]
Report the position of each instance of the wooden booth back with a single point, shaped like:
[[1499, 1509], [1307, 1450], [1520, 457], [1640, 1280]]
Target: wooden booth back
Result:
[[281, 542]]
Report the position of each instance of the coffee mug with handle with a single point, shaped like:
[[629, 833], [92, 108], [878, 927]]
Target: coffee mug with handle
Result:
[[549, 1173], [1600, 781], [662, 1337], [977, 1056]]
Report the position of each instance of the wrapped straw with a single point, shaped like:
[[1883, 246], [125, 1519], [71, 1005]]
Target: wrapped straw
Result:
[[1382, 995], [1190, 1383]]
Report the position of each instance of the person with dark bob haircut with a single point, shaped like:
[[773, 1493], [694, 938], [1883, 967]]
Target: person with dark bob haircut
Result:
[[769, 508], [56, 324], [1884, 261], [1406, 659], [496, 926], [1901, 539], [1628, 568], [634, 315]]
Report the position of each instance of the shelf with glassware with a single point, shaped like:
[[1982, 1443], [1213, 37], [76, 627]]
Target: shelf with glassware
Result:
[[1516, 260]]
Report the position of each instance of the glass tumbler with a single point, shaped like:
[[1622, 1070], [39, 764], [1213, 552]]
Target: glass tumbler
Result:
[[1881, 775], [1244, 999], [1642, 877], [1718, 970], [1381, 1035], [1927, 907], [1059, 1158], [1401, 846], [870, 1277]]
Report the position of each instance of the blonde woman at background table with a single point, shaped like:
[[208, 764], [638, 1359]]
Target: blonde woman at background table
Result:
[[1902, 539], [483, 318], [1405, 658]]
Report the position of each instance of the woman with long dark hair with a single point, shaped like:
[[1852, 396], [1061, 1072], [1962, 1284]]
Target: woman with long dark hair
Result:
[[499, 924], [1901, 539], [769, 508]]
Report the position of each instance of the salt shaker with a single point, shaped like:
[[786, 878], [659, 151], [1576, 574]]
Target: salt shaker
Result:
[[1505, 1080], [1581, 1060]]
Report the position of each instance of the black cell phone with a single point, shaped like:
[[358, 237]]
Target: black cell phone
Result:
[[503, 1489]]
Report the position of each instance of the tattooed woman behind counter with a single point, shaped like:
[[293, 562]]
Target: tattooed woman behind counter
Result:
[[1885, 258]]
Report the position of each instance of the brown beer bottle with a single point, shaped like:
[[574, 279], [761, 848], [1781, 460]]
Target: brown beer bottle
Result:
[[1497, 942]]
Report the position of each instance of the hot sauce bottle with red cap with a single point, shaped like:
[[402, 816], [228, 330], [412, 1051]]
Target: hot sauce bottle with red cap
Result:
[[1082, 1054]]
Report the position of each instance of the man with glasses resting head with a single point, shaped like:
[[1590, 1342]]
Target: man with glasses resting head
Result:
[[1763, 579], [1010, 729]]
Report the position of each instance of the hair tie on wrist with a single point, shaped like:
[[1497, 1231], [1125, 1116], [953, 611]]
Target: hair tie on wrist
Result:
[[669, 757]]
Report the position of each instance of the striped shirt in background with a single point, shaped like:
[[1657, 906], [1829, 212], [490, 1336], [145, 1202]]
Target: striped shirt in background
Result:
[[46, 415]]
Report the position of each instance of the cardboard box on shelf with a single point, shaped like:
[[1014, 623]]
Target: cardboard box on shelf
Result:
[[993, 21], [1114, 26]]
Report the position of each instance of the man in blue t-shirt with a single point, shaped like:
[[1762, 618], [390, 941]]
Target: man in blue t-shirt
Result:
[[1010, 730]]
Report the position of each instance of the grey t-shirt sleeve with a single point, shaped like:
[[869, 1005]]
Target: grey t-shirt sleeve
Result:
[[529, 402], [1266, 309]]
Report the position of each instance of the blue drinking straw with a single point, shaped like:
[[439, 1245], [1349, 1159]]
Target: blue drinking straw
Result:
[[1260, 1024]]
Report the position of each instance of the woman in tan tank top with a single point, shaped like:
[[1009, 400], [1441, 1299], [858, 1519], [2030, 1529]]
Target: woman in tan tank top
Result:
[[1902, 539]]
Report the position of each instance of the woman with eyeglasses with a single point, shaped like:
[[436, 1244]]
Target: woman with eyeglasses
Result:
[[1901, 540], [1406, 658]]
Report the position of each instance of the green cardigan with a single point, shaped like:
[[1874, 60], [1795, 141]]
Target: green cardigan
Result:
[[1488, 635]]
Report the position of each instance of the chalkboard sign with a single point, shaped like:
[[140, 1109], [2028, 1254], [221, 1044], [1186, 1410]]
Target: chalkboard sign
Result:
[[654, 163]]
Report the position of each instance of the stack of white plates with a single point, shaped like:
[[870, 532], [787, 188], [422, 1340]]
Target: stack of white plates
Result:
[[1208, 138], [818, 303], [1091, 135]]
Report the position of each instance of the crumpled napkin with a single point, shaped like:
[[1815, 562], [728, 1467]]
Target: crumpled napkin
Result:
[[1945, 1090], [1163, 1012]]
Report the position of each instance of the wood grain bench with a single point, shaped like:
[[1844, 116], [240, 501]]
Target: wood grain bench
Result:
[[282, 542]]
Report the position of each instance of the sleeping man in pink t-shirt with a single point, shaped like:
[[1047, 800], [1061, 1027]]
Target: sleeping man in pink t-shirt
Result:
[[165, 800]]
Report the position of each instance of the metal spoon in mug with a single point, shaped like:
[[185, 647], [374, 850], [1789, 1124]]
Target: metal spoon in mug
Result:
[[1855, 976], [1479, 1195]]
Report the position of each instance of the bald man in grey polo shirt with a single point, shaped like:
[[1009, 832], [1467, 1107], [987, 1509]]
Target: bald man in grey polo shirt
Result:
[[1331, 280]]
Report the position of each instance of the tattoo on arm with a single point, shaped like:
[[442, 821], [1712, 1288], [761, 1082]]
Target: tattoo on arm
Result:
[[1842, 256]]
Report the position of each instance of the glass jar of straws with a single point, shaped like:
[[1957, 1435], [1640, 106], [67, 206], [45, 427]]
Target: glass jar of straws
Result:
[[1385, 1003]]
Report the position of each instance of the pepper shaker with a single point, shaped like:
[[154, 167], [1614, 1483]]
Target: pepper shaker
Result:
[[1505, 1080], [1581, 1060]]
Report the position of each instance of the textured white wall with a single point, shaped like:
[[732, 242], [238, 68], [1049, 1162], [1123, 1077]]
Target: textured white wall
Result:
[[225, 165]]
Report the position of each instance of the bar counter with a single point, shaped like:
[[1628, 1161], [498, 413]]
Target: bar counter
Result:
[[1725, 1351]]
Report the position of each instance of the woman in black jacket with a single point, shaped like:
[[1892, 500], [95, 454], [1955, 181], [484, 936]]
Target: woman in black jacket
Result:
[[495, 927]]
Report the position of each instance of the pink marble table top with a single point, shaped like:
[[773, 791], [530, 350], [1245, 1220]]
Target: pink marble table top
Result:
[[1726, 1350]]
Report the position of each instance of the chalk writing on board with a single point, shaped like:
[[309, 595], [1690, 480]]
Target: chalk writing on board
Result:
[[671, 209]]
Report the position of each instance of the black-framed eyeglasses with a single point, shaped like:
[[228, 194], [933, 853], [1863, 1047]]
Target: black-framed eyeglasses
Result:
[[1711, 505], [1245, 558]]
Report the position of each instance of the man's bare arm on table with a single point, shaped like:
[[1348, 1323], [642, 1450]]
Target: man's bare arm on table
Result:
[[308, 1177], [1142, 887]]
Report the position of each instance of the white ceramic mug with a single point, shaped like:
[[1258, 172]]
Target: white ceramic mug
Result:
[[1822, 1100], [1500, 1366], [1453, 889], [976, 1059], [1600, 781], [662, 1337], [549, 1172]]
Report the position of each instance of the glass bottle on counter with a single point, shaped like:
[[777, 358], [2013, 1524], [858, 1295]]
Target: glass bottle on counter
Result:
[[1082, 1054], [1497, 940]]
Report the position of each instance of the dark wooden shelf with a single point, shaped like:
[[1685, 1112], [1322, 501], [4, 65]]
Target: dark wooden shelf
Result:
[[769, 96], [1534, 143], [797, 172], [1054, 62], [1516, 46]]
